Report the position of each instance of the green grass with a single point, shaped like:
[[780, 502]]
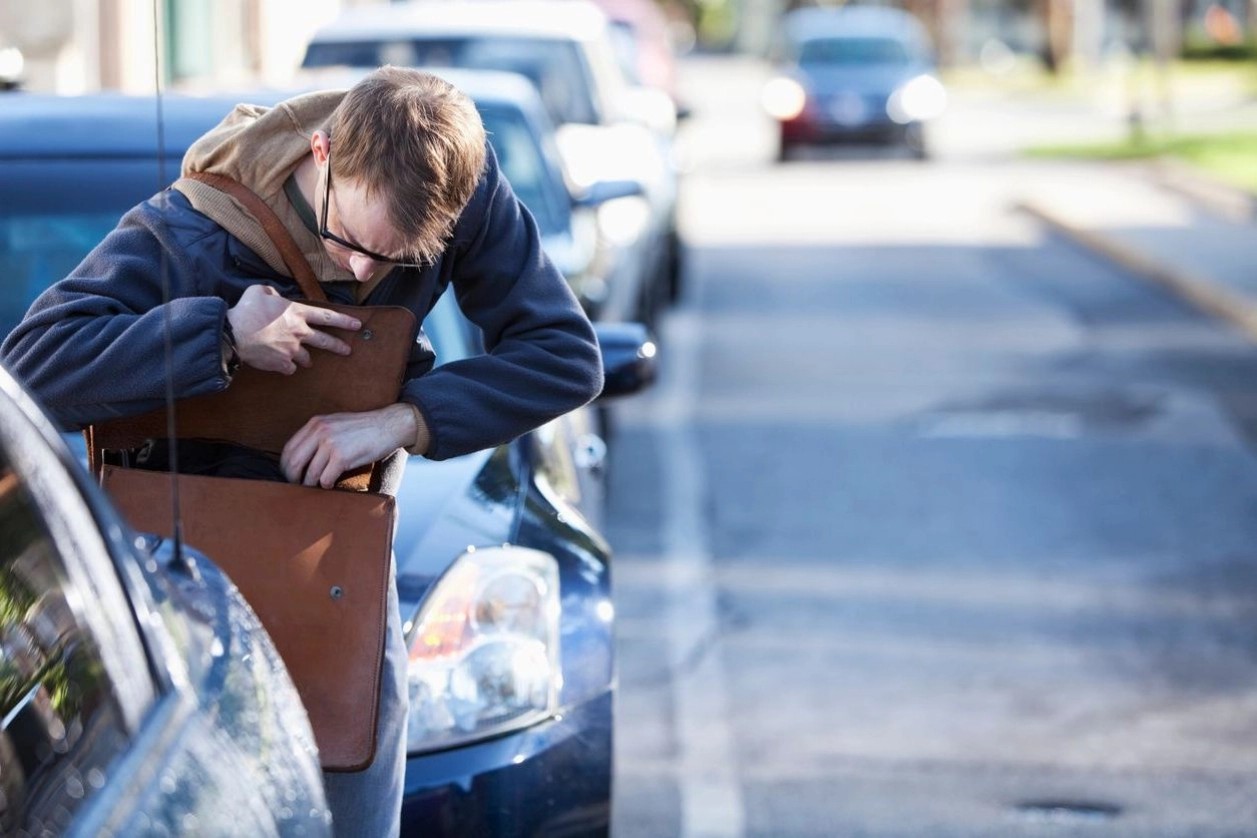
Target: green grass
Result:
[[1230, 157]]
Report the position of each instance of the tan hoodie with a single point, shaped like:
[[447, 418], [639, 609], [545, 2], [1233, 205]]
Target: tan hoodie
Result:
[[261, 147]]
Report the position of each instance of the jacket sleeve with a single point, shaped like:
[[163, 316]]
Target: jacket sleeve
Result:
[[543, 358], [93, 346]]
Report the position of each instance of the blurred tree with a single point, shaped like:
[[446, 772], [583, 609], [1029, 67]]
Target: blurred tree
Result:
[[945, 20], [1057, 17]]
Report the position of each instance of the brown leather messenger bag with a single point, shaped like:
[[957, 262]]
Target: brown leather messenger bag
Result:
[[313, 563]]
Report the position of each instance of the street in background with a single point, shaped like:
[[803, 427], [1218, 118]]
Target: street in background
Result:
[[939, 522]]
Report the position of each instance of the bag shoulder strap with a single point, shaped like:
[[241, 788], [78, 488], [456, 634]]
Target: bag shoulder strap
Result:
[[289, 251]]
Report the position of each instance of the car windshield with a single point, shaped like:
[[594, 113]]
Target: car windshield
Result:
[[852, 51], [521, 160], [555, 67]]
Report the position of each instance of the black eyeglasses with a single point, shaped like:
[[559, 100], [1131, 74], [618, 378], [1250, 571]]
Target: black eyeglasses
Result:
[[348, 245]]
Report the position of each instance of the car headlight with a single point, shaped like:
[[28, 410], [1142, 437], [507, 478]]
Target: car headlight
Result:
[[484, 653], [784, 98], [920, 99]]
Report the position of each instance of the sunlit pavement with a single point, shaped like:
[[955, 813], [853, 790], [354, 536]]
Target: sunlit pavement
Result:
[[936, 524]]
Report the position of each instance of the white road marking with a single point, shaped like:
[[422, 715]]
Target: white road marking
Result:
[[711, 797]]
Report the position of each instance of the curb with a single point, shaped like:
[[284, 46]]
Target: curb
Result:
[[1203, 293], [1221, 199]]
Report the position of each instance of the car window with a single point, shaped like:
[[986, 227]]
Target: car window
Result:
[[853, 51], [554, 66], [450, 332], [524, 166], [627, 49], [64, 715]]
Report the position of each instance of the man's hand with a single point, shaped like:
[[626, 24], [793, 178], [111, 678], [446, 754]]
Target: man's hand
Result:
[[328, 446], [272, 333]]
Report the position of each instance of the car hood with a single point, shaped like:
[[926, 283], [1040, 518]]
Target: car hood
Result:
[[445, 507]]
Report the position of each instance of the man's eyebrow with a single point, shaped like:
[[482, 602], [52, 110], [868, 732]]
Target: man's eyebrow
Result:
[[350, 237]]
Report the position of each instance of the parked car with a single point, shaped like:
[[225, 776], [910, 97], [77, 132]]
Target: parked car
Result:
[[607, 129], [503, 578], [609, 275], [853, 73], [139, 695]]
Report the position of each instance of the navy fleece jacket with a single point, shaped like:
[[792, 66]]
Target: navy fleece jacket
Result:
[[92, 346]]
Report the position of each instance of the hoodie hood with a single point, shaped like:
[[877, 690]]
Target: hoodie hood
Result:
[[261, 147]]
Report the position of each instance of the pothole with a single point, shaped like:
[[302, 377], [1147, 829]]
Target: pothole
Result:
[[1068, 811]]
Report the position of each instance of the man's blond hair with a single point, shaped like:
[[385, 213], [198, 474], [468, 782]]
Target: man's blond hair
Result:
[[417, 141]]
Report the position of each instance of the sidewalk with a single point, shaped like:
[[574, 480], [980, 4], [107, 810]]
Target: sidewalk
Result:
[[1164, 227]]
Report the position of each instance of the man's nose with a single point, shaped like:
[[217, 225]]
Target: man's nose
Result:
[[362, 266]]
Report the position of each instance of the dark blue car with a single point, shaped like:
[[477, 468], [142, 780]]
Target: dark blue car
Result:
[[503, 578], [853, 73]]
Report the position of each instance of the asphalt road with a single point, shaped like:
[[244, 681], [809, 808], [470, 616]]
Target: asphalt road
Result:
[[935, 524]]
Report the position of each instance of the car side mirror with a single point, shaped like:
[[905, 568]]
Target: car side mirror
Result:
[[602, 191], [629, 355]]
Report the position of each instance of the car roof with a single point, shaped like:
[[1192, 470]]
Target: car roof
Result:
[[855, 22], [109, 124], [112, 125], [493, 87], [485, 87], [565, 19]]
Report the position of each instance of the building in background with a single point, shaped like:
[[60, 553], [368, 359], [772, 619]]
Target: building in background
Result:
[[80, 46]]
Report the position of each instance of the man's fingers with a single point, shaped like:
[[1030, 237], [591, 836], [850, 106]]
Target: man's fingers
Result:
[[296, 455], [316, 316], [322, 340], [316, 468], [331, 473], [301, 356]]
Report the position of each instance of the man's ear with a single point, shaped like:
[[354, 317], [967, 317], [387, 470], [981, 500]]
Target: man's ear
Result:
[[320, 146]]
